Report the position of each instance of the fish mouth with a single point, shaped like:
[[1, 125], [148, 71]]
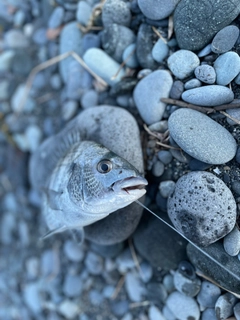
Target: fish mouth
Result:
[[131, 186]]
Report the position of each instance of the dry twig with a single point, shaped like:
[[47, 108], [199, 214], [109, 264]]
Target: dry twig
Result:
[[118, 287]]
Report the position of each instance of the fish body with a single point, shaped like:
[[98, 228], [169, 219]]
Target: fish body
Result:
[[86, 184]]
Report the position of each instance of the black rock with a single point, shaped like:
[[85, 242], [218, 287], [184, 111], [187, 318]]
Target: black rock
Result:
[[196, 22], [212, 271], [159, 244]]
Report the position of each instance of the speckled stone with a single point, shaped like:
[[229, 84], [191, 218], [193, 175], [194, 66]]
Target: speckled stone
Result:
[[202, 207], [208, 295], [205, 73], [224, 305], [149, 91], [201, 137], [157, 9], [190, 15], [208, 96]]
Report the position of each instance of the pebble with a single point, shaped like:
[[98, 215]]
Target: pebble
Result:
[[183, 307], [68, 309], [156, 292], [31, 296], [5, 90], [208, 295], [236, 311], [160, 50], [32, 267], [73, 251], [119, 308], [200, 200], [70, 40], [201, 137], [15, 38], [168, 314], [225, 39], [227, 67], [103, 65], [187, 284], [116, 11], [193, 83], [224, 305], [134, 287], [108, 251], [155, 314], [84, 11], [17, 96], [131, 61], [69, 109], [211, 270], [34, 137], [72, 285], [8, 226], [166, 188], [182, 63], [231, 242], [125, 261], [149, 91], [157, 9], [208, 314], [115, 39], [208, 96], [48, 263], [168, 283], [205, 73], [56, 18], [144, 45], [158, 168], [56, 81], [40, 36], [89, 99], [146, 271], [234, 113], [205, 51], [19, 18], [90, 40], [164, 156], [6, 58], [189, 14], [94, 263], [176, 90]]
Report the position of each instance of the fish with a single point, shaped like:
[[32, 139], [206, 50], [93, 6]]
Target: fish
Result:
[[85, 182]]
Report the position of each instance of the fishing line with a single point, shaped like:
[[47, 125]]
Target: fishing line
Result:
[[192, 243]]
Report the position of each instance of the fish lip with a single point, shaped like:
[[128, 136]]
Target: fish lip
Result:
[[130, 184]]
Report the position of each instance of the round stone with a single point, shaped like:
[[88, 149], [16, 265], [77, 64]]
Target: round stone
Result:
[[149, 91], [130, 57], [160, 50], [182, 63], [193, 83], [227, 67], [157, 9], [183, 307], [116, 11], [202, 207], [225, 39], [208, 96], [224, 305], [208, 295], [205, 73], [201, 137]]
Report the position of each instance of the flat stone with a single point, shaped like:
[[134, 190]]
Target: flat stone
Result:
[[183, 307], [220, 275], [149, 91], [208, 96], [201, 137], [157, 9], [194, 29], [231, 242], [225, 39], [227, 67], [201, 200], [182, 63], [103, 65], [134, 287], [193, 83], [70, 40]]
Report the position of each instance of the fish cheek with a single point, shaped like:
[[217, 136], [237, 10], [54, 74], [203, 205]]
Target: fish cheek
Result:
[[93, 188]]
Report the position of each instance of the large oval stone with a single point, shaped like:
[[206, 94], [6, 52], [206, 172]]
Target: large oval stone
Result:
[[201, 137]]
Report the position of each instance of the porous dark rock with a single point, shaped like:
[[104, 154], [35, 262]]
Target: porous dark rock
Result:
[[202, 207]]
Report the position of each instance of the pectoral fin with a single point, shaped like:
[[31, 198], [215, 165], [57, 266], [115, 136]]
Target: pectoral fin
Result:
[[53, 198], [52, 232], [78, 235]]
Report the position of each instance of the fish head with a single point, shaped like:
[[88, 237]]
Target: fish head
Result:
[[103, 182]]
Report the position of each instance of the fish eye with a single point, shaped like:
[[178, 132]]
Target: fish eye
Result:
[[104, 166]]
